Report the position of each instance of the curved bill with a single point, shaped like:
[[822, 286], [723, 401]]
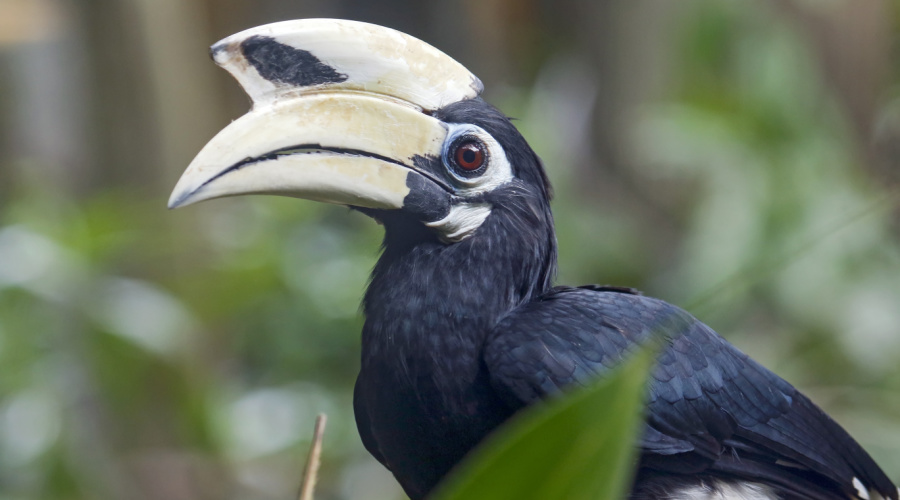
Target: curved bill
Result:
[[340, 115], [349, 149]]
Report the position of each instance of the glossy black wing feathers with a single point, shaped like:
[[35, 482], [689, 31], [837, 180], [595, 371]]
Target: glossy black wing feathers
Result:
[[710, 408]]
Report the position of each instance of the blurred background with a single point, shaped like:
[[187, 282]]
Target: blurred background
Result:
[[739, 159]]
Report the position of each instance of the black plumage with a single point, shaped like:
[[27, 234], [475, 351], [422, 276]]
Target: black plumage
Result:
[[459, 336]]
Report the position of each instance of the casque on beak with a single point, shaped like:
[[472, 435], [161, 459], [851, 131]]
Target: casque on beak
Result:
[[340, 115]]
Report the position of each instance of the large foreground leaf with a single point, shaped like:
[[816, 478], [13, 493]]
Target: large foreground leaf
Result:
[[578, 447]]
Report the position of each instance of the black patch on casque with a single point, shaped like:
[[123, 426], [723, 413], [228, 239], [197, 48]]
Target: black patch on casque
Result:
[[282, 63]]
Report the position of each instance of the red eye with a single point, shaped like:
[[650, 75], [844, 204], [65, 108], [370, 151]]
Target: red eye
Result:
[[469, 155]]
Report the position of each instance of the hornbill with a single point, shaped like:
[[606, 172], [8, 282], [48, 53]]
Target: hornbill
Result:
[[463, 325]]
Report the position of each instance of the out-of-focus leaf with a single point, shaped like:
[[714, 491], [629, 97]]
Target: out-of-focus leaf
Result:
[[578, 447]]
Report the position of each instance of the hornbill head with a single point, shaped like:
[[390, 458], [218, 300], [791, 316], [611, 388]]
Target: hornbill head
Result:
[[360, 115]]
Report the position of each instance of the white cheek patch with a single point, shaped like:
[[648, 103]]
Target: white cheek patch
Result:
[[498, 171], [462, 221]]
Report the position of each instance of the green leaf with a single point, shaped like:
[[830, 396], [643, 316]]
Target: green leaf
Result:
[[579, 446]]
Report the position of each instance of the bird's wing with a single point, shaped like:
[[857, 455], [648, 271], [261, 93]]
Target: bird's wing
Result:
[[711, 408]]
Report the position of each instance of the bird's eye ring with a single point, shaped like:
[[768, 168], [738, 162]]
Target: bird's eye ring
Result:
[[469, 156]]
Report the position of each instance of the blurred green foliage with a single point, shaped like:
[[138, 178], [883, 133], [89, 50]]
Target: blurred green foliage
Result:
[[154, 354]]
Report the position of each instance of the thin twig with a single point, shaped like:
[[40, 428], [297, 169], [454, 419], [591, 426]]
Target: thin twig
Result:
[[313, 461]]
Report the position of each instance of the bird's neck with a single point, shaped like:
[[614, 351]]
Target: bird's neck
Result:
[[426, 294], [423, 391]]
